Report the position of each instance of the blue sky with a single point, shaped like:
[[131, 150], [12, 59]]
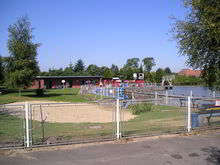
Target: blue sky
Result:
[[101, 32]]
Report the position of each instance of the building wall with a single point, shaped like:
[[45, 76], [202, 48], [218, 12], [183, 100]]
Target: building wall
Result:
[[69, 82], [189, 72]]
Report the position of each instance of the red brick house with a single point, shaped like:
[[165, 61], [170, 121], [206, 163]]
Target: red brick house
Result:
[[189, 72], [70, 81]]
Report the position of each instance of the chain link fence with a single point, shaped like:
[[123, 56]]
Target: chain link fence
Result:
[[54, 123], [12, 125], [36, 124], [153, 117]]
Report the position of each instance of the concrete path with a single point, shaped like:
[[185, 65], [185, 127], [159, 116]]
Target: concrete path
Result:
[[199, 149]]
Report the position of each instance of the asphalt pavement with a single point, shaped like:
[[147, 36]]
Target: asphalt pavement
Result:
[[199, 149]]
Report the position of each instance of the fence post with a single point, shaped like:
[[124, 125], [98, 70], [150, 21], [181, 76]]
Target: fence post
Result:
[[81, 89], [156, 98], [166, 97], [27, 124], [132, 97], [189, 114], [117, 121], [101, 92], [213, 95]]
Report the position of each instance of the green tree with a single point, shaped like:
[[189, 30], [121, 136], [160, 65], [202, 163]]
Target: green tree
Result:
[[133, 63], [114, 70], [141, 68], [93, 70], [79, 66], [22, 65], [149, 62], [69, 71], [167, 71], [159, 75], [1, 70], [132, 66], [107, 73], [198, 37], [150, 76]]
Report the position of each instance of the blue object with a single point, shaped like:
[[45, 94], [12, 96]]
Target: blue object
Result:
[[195, 121]]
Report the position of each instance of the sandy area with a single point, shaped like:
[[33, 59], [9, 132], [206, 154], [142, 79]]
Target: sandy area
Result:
[[75, 113]]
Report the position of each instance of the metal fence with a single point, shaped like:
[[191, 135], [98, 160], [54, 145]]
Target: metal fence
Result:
[[54, 123], [152, 117], [35, 124], [205, 113], [101, 92], [12, 125]]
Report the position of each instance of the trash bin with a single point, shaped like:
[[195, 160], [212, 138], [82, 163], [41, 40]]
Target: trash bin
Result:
[[195, 121]]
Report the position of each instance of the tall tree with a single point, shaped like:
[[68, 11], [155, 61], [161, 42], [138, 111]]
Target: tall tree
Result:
[[79, 66], [148, 62], [69, 71], [159, 75], [114, 70], [22, 66], [133, 63], [198, 37], [167, 71], [107, 73], [1, 70], [93, 70]]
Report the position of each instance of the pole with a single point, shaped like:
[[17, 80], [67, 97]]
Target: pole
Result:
[[27, 124], [117, 121], [189, 115], [213, 95], [101, 92], [191, 94], [156, 98], [166, 97]]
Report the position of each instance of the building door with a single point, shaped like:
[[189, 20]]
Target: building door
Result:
[[50, 83]]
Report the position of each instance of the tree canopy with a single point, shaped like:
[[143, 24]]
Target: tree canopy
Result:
[[148, 62], [198, 38], [1, 70], [79, 66], [22, 65]]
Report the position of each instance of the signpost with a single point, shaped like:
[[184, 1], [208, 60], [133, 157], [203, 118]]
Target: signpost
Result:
[[121, 92]]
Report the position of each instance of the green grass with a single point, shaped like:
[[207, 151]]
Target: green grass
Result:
[[11, 129], [162, 119], [139, 108], [66, 95]]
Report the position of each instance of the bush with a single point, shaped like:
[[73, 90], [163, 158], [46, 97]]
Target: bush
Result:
[[39, 92], [141, 108]]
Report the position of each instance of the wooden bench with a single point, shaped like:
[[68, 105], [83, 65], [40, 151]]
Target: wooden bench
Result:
[[209, 112]]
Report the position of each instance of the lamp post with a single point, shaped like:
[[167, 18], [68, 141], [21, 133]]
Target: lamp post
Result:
[[63, 81]]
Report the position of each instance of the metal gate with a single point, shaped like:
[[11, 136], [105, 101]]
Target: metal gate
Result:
[[59, 123], [12, 125], [152, 117]]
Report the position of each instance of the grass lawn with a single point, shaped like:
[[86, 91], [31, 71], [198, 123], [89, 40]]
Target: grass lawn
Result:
[[66, 95], [163, 119]]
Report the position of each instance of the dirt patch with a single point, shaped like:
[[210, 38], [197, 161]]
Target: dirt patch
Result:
[[74, 113]]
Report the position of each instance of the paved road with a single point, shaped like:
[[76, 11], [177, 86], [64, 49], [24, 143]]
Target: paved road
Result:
[[198, 149]]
